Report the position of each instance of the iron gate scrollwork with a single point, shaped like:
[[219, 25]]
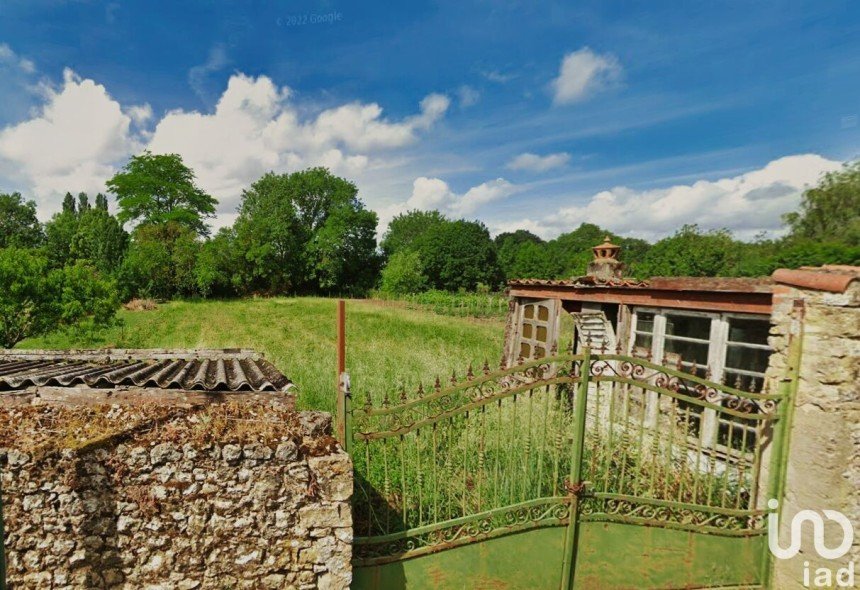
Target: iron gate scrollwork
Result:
[[554, 445]]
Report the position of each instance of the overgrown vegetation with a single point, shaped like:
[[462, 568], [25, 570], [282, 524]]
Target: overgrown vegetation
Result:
[[385, 345], [42, 429], [308, 233]]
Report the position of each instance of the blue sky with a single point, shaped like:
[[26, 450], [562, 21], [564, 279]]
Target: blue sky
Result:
[[639, 117]]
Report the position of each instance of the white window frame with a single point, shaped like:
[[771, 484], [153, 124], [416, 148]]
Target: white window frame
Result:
[[717, 352]]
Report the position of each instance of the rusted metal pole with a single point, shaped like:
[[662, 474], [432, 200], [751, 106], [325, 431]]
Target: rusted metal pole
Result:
[[341, 339], [341, 370]]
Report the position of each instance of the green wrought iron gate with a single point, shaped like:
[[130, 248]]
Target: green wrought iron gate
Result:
[[570, 471]]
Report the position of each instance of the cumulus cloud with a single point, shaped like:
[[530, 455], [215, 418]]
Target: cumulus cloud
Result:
[[80, 136], [434, 193], [536, 163], [255, 128], [71, 144], [584, 73], [746, 204]]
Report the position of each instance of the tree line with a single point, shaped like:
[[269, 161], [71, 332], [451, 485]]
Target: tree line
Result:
[[307, 232]]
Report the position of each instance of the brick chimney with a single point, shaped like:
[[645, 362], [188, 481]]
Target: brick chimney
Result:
[[606, 265]]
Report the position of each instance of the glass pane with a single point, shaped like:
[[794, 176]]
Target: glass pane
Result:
[[525, 350], [527, 330], [688, 326], [644, 321], [543, 313], [529, 312], [540, 352], [541, 333], [643, 340], [747, 359], [691, 352], [749, 331], [743, 382]]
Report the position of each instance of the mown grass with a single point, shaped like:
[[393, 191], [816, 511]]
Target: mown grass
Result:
[[386, 346]]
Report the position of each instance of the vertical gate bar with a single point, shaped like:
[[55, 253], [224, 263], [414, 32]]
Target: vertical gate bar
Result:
[[640, 444], [512, 443], [655, 450], [696, 472], [542, 453], [435, 477], [787, 388], [498, 453], [610, 441], [528, 450], [741, 460], [568, 566], [404, 514], [670, 455], [464, 441]]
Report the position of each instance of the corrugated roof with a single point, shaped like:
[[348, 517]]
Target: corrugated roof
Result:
[[225, 370]]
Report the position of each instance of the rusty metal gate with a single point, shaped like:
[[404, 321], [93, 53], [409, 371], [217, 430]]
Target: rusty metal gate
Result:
[[571, 471]]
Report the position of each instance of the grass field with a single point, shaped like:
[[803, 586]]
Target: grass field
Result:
[[386, 345]]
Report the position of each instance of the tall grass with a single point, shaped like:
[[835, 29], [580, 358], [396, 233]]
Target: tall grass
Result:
[[476, 305], [386, 346]]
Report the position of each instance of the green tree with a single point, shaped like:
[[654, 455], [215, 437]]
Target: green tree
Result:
[[692, 252], [342, 252], [219, 264], [404, 274], [509, 246], [407, 228], [35, 299], [830, 212], [154, 189], [60, 232], [100, 239], [160, 262], [459, 255], [19, 225], [69, 205], [306, 231]]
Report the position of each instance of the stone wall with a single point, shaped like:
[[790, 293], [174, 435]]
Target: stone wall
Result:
[[165, 508], [824, 459]]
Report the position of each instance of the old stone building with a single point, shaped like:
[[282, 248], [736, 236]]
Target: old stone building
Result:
[[169, 470]]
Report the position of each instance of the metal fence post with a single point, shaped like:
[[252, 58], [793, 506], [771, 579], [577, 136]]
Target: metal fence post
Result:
[[575, 481], [778, 470]]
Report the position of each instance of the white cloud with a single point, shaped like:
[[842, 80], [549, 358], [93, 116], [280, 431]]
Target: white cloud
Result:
[[536, 163], [434, 193], [80, 136], [498, 77], [468, 96], [256, 128], [584, 73], [140, 114], [746, 204], [71, 144], [10, 58]]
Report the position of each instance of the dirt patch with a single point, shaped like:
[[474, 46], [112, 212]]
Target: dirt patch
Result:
[[141, 305]]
